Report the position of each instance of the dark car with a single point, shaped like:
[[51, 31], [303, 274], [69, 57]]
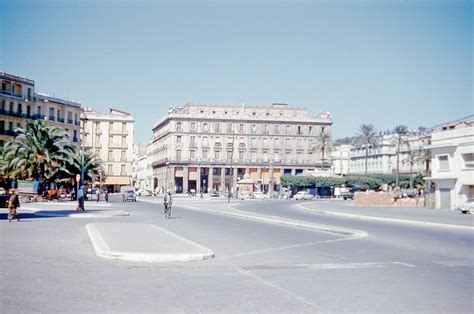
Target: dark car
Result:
[[214, 193]]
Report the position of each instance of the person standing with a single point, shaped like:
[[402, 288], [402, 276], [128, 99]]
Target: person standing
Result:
[[13, 204], [97, 193], [167, 202], [80, 198], [106, 195]]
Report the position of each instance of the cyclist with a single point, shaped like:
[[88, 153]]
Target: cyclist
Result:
[[167, 202]]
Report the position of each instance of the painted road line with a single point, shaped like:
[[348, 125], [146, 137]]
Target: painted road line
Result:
[[390, 220]]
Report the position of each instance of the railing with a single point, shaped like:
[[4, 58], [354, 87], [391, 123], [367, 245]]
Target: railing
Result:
[[7, 132], [69, 121], [61, 120], [51, 118], [38, 116], [10, 93]]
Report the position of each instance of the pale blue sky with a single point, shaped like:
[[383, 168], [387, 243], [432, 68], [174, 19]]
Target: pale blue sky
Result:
[[380, 62]]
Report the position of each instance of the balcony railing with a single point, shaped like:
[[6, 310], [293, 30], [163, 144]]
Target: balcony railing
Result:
[[10, 93], [51, 118], [37, 116], [61, 120], [7, 132], [69, 121]]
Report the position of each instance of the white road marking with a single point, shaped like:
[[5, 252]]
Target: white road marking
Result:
[[327, 266]]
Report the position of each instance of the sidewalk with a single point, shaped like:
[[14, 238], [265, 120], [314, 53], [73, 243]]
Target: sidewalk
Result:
[[143, 243]]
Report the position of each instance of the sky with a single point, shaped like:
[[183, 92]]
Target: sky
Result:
[[379, 62]]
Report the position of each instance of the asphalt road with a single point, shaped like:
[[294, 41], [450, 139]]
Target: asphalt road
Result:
[[48, 264]]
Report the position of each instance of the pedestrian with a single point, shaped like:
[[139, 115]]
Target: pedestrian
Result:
[[167, 202], [97, 193], [13, 204], [202, 195], [106, 195], [80, 198]]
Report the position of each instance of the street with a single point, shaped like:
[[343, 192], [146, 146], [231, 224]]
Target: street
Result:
[[417, 260]]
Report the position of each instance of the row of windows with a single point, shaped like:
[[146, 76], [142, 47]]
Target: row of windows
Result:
[[242, 155], [54, 114], [123, 170], [467, 159], [117, 127], [12, 126], [253, 141], [219, 127], [114, 140]]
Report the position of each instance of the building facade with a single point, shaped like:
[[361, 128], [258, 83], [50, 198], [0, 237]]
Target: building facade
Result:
[[383, 159], [211, 147], [340, 157], [142, 172], [20, 104], [452, 174], [110, 136]]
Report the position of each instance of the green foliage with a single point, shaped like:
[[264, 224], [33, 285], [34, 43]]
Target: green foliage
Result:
[[356, 182]]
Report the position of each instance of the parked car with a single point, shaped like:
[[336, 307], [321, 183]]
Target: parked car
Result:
[[302, 195], [128, 193], [260, 196], [347, 195], [144, 192], [467, 207], [214, 193]]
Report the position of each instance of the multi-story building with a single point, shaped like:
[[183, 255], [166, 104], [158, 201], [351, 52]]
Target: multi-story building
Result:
[[204, 147], [141, 169], [110, 136], [383, 158], [340, 156], [452, 160], [19, 104]]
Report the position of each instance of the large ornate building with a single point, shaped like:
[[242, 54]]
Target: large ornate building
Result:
[[19, 104], [204, 147]]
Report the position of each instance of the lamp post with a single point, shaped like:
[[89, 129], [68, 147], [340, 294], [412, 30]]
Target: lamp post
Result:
[[81, 185], [166, 177], [231, 172]]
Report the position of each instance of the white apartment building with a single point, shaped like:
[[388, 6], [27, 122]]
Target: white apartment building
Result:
[[204, 147], [383, 159], [340, 157], [452, 151], [142, 172], [20, 104], [110, 136]]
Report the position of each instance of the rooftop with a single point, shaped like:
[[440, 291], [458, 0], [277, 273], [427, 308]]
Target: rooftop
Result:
[[47, 98], [24, 80]]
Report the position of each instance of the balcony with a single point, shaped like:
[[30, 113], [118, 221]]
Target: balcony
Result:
[[61, 120], [7, 132], [10, 93], [51, 118], [69, 121], [37, 116]]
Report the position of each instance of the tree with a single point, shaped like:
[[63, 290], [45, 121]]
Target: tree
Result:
[[366, 139], [400, 140], [93, 167], [36, 152], [323, 144]]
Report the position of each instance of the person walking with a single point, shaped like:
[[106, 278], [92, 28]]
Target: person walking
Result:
[[13, 204], [106, 195], [167, 202], [97, 193], [202, 195]]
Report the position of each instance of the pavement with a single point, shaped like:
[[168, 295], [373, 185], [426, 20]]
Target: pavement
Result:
[[144, 243]]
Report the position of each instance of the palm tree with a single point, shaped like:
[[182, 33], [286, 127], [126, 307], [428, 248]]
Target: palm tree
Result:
[[37, 151], [323, 144], [366, 139], [93, 167], [401, 139]]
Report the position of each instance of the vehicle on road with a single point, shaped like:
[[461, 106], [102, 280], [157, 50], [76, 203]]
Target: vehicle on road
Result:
[[144, 192], [303, 195], [128, 193], [347, 194], [213, 193], [260, 196], [467, 207]]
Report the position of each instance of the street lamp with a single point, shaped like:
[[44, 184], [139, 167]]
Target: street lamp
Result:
[[231, 172], [81, 185]]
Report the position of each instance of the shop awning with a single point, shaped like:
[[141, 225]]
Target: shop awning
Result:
[[117, 180]]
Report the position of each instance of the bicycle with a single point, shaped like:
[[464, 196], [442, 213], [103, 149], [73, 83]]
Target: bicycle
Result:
[[167, 211]]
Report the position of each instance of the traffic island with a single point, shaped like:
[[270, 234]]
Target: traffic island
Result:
[[143, 243]]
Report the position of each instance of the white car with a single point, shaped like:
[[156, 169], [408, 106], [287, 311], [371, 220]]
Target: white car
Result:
[[302, 195], [467, 207], [260, 196]]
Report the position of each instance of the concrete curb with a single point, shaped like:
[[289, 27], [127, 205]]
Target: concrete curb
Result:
[[392, 220], [102, 249], [348, 233], [74, 204], [74, 214]]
